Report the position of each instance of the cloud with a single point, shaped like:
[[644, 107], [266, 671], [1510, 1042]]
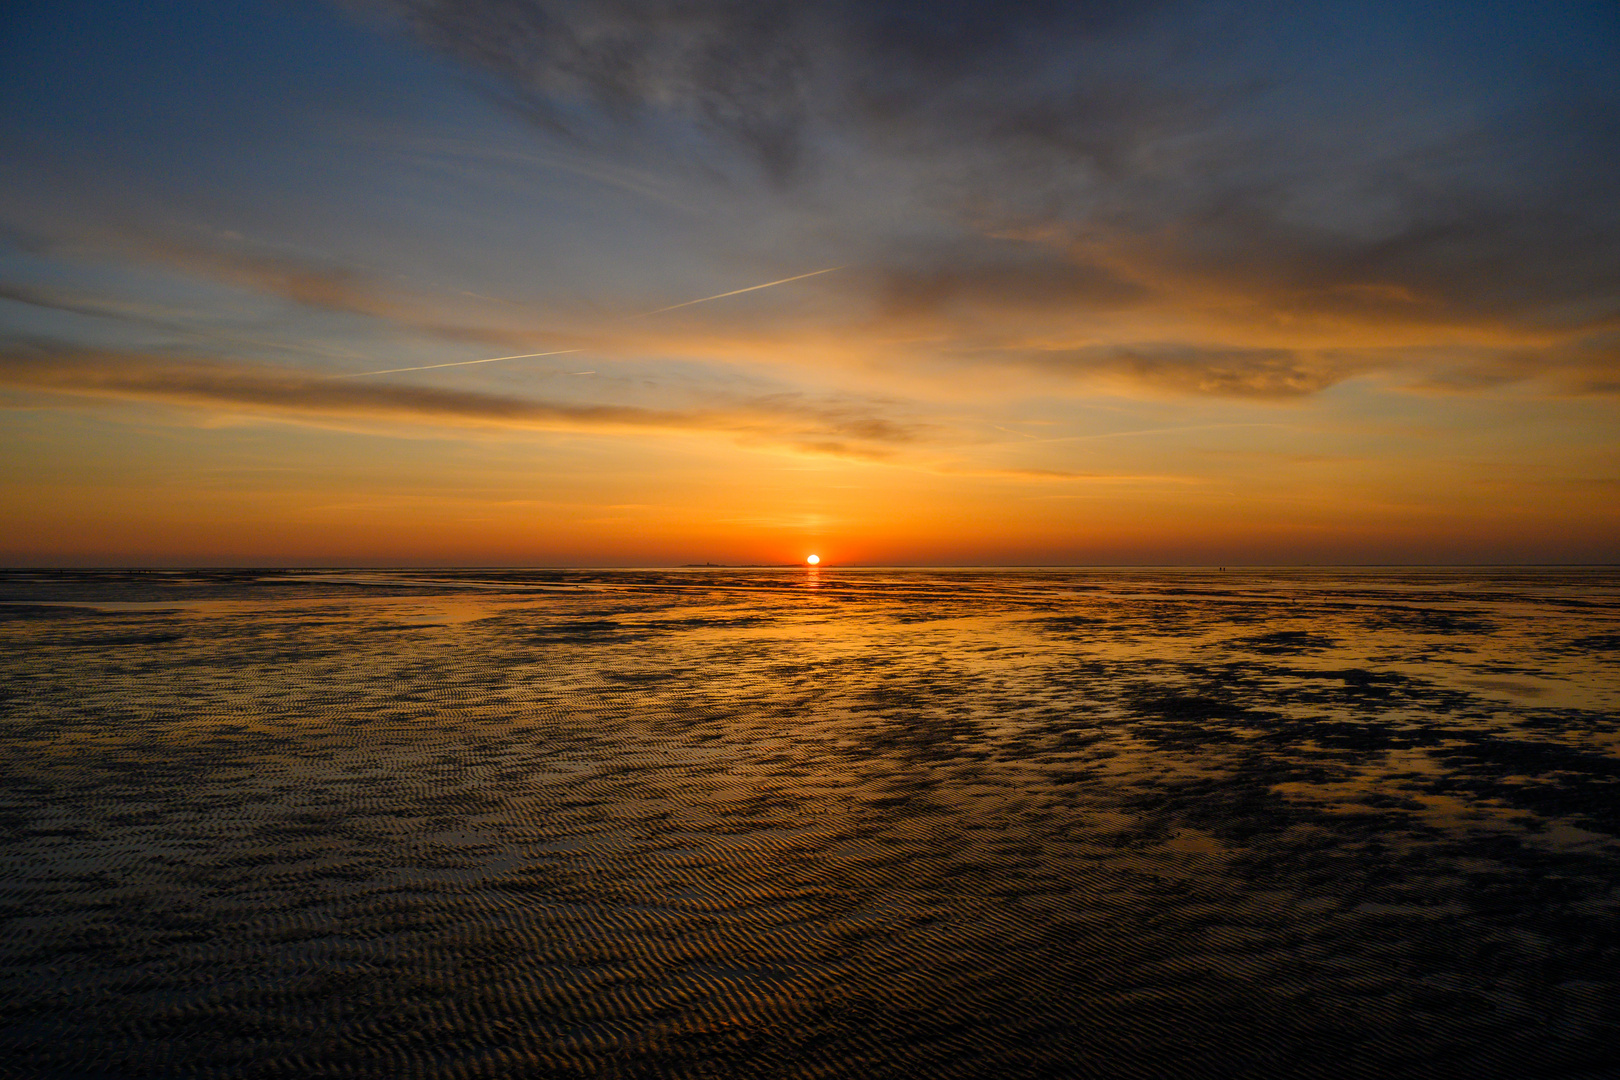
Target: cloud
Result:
[[75, 303], [1181, 197], [1064, 476], [329, 286], [1295, 181], [310, 282], [1211, 371], [836, 427], [764, 77], [988, 274], [1033, 305], [1584, 367]]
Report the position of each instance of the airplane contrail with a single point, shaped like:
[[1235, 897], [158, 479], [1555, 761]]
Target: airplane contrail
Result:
[[734, 292], [561, 352], [456, 363]]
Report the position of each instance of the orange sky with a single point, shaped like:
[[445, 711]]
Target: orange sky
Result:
[[1344, 291]]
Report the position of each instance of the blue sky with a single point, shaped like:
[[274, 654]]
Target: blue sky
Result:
[[1105, 282]]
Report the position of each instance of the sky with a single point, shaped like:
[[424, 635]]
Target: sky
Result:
[[895, 283]]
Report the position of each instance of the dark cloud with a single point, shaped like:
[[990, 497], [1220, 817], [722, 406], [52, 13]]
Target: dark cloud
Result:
[[1208, 371], [763, 76], [1273, 373], [309, 282], [321, 284], [786, 419], [77, 304], [998, 275], [1586, 367], [1325, 166]]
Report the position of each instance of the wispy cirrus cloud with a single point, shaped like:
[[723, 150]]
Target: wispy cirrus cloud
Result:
[[1074, 163], [1214, 371], [303, 281], [1024, 190], [787, 420], [930, 310], [75, 302]]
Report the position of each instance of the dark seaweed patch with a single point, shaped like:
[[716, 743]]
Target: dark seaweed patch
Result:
[[1431, 621], [597, 834], [585, 632], [152, 637], [1286, 642], [1552, 780], [19, 612]]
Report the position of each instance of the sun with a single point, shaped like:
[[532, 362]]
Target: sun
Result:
[[813, 560]]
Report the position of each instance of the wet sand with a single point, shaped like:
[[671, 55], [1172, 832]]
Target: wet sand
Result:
[[789, 823]]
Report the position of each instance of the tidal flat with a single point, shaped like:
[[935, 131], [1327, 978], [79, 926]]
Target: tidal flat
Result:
[[810, 823]]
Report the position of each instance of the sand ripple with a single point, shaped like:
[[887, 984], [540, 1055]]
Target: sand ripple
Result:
[[769, 824]]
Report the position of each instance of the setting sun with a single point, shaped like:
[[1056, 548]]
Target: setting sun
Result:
[[410, 408]]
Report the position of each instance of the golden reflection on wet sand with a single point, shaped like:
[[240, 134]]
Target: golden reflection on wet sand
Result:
[[810, 822]]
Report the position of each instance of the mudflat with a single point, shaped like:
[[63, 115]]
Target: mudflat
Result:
[[810, 823]]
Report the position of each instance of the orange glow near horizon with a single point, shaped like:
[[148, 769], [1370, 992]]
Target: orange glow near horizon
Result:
[[981, 344]]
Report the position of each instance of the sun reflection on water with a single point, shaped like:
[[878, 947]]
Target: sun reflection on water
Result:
[[1043, 823]]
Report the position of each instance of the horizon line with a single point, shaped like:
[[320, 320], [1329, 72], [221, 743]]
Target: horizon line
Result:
[[178, 567]]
